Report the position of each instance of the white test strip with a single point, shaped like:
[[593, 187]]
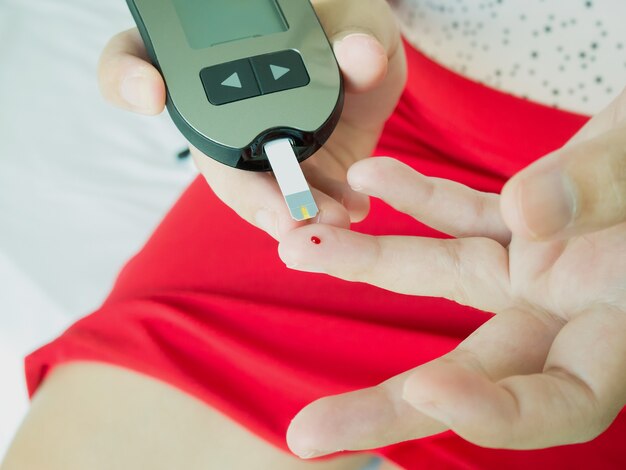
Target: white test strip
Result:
[[291, 180]]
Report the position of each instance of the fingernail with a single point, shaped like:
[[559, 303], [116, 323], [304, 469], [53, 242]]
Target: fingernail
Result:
[[352, 46], [267, 221], [363, 39], [136, 91], [306, 268], [547, 202]]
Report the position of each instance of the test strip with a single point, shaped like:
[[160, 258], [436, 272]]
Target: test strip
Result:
[[291, 180]]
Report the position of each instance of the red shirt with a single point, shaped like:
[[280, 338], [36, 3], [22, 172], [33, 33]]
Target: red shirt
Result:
[[208, 307]]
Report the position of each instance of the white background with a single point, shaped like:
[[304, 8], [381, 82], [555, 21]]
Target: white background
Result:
[[81, 184]]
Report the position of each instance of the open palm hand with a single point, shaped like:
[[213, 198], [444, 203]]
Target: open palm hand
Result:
[[547, 370]]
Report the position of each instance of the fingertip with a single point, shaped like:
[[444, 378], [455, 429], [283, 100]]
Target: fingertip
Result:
[[511, 211], [275, 219], [301, 436], [131, 83], [331, 212], [301, 248], [142, 90], [334, 424], [347, 201], [358, 206], [543, 201], [363, 61], [358, 175], [366, 174]]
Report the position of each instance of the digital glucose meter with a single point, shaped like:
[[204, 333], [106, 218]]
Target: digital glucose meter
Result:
[[244, 74]]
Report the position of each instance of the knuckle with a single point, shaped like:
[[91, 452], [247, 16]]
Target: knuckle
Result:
[[473, 218], [479, 203], [429, 194], [457, 291]]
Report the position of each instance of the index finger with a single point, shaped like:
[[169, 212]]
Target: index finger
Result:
[[470, 271]]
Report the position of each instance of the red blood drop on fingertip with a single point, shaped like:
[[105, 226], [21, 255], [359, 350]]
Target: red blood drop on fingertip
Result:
[[316, 240]]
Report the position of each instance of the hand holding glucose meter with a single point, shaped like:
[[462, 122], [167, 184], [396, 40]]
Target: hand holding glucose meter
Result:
[[253, 84]]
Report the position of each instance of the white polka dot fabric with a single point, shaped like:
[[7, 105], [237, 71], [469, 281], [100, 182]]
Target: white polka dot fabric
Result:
[[568, 54]]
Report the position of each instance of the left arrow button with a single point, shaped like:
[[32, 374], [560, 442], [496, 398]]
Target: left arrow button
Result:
[[233, 81], [229, 82]]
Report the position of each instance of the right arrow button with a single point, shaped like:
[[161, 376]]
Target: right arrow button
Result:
[[280, 71]]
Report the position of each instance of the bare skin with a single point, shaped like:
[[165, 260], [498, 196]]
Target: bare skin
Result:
[[94, 416]]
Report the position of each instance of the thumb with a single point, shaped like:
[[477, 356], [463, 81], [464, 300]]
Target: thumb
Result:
[[578, 189], [364, 34], [362, 58]]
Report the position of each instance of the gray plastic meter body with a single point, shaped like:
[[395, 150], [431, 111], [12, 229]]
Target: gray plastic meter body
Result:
[[241, 73]]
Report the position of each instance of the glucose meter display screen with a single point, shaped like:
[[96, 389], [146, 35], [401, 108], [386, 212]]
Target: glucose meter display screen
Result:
[[210, 22]]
